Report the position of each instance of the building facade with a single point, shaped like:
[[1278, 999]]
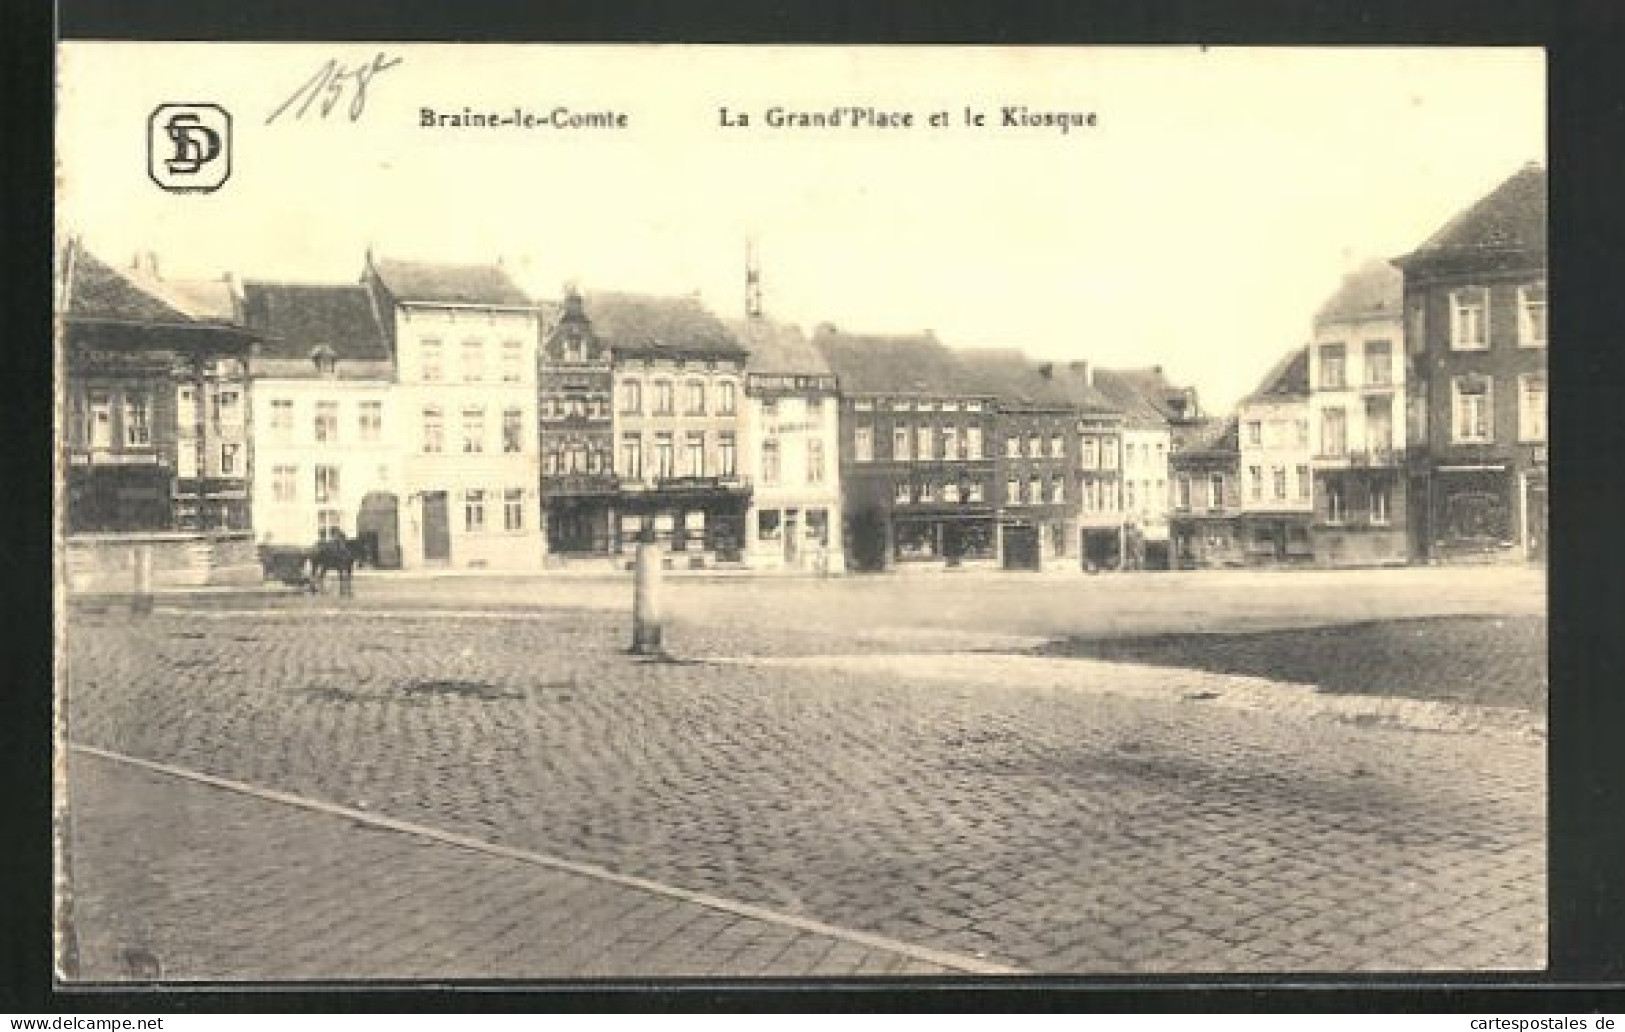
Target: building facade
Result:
[[1152, 409], [1274, 465], [790, 428], [326, 433], [679, 392], [1358, 416], [1037, 457], [575, 385], [464, 341], [916, 460], [156, 448], [1203, 520], [1475, 323]]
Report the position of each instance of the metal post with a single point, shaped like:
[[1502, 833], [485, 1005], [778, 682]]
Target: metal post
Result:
[[141, 597], [646, 600]]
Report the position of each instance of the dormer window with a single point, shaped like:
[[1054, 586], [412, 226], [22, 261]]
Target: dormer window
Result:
[[325, 360]]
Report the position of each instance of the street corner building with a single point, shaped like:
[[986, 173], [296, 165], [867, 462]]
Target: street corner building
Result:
[[1358, 412], [464, 341], [155, 449], [678, 375], [790, 427], [1475, 323], [326, 425]]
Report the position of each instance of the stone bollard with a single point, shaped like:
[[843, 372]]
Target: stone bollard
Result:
[[646, 601], [141, 597]]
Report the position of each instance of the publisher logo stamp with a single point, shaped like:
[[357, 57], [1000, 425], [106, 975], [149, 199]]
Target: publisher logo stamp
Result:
[[189, 147]]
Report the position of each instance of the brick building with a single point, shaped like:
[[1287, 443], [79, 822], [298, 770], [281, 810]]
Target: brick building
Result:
[[1203, 519], [1036, 458], [916, 459], [1475, 326]]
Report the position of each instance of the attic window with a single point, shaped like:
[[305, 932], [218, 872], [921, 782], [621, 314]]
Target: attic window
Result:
[[325, 359]]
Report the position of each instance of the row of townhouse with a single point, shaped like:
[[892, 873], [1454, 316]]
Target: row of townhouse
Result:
[[444, 417], [1412, 426]]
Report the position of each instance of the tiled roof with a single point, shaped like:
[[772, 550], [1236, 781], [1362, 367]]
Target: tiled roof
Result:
[[97, 290], [1288, 378], [1019, 382], [1207, 436], [1511, 219], [297, 318], [646, 325], [779, 348], [1372, 291], [919, 364], [440, 283], [1138, 393]]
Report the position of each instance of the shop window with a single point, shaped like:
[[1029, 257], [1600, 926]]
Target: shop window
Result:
[[769, 525], [916, 541], [137, 421]]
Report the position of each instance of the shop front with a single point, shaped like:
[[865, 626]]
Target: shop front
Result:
[[698, 525], [949, 539]]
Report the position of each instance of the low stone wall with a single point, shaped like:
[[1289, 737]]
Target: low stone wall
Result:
[[105, 563]]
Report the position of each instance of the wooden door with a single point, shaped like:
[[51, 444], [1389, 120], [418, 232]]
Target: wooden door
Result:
[[436, 528]]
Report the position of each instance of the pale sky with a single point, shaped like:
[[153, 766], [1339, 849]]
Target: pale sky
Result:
[[1197, 226]]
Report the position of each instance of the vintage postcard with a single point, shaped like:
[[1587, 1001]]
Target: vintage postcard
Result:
[[561, 512]]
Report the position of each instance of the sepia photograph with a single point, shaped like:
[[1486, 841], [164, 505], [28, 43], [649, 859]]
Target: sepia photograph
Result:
[[623, 513]]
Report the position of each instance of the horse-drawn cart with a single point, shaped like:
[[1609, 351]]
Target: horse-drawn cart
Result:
[[308, 567]]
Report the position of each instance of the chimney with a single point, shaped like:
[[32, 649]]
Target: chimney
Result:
[[1047, 370], [1081, 368], [146, 263]]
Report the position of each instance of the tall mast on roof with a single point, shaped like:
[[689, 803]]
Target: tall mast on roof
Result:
[[753, 281]]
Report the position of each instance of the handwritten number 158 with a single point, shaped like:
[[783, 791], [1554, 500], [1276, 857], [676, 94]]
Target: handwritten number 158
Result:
[[328, 84]]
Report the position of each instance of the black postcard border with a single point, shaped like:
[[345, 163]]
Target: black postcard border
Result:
[[1587, 759]]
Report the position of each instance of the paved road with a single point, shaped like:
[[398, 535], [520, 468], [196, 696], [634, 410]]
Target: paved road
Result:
[[1099, 818], [227, 884], [997, 605]]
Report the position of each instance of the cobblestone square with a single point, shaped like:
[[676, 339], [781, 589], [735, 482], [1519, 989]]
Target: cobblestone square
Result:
[[474, 780]]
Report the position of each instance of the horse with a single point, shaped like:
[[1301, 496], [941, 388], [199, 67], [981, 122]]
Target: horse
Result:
[[336, 554]]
